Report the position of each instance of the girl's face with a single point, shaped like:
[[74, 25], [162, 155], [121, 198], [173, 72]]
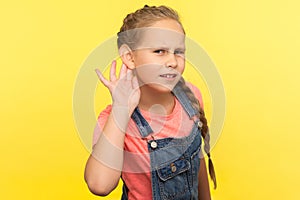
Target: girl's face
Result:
[[159, 57]]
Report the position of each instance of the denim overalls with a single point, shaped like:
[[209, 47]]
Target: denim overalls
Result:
[[174, 161]]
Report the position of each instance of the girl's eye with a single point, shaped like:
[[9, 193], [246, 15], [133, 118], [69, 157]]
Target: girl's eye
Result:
[[160, 51], [163, 51], [179, 52]]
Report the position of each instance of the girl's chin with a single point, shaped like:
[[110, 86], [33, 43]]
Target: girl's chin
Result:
[[159, 88]]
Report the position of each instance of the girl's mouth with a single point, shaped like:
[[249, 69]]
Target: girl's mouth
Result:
[[168, 76]]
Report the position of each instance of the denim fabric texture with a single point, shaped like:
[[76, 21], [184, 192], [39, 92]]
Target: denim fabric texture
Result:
[[174, 162]]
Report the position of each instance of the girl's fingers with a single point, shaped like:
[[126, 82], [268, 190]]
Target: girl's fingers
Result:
[[123, 71], [129, 74], [102, 79], [112, 75], [135, 83]]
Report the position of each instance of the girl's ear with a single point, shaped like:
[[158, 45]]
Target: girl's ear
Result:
[[126, 56]]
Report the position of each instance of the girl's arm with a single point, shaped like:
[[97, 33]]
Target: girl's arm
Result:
[[203, 186], [104, 166]]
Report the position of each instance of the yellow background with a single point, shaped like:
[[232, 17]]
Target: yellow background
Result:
[[254, 44]]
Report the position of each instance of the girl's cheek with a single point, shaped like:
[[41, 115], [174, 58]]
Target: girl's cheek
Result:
[[148, 72]]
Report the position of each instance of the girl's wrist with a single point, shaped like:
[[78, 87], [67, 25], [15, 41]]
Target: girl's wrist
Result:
[[123, 109], [121, 116]]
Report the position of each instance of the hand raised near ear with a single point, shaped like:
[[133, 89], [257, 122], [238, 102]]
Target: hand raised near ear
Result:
[[124, 89]]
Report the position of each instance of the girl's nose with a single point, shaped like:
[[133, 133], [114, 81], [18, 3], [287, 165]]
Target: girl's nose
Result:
[[171, 60]]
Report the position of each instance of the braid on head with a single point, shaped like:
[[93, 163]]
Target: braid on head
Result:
[[145, 17], [204, 128]]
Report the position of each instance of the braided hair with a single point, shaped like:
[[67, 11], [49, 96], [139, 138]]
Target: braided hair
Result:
[[203, 126], [145, 17]]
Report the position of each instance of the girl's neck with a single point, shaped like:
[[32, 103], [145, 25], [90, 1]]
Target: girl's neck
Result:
[[150, 97]]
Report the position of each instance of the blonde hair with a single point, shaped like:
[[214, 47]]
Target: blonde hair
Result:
[[145, 17]]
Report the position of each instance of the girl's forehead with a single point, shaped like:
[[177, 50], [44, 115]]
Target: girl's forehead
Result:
[[151, 37]]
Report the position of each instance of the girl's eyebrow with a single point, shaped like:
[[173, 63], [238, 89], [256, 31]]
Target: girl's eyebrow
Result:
[[161, 46], [166, 47], [181, 48]]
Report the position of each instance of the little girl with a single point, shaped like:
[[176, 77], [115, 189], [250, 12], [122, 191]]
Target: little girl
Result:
[[151, 134]]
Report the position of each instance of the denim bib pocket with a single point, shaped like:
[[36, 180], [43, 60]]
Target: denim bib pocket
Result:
[[173, 178]]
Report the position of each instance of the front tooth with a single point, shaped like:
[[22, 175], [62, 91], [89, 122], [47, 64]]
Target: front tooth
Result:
[[168, 75]]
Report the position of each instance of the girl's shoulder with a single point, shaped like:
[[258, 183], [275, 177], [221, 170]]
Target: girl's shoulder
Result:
[[105, 112], [102, 118]]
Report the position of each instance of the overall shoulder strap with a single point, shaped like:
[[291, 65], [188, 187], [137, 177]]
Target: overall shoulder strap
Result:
[[141, 123], [184, 100]]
